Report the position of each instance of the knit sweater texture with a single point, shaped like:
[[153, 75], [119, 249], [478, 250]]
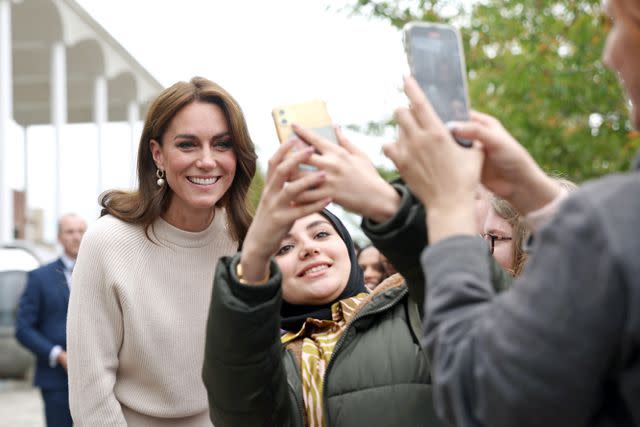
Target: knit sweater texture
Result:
[[136, 323]]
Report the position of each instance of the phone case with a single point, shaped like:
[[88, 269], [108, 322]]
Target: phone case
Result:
[[436, 59], [416, 30], [312, 115]]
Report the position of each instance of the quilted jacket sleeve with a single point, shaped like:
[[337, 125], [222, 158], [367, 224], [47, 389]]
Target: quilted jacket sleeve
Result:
[[243, 366], [403, 237]]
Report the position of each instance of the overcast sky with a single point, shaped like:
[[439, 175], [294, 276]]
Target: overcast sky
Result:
[[265, 53]]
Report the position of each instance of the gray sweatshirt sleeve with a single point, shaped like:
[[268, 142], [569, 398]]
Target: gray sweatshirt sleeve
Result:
[[535, 354]]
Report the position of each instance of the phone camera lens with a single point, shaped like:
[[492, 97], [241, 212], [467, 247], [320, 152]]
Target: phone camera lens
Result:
[[282, 112], [283, 121]]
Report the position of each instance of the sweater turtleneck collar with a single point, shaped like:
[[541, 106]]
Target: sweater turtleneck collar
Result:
[[167, 233]]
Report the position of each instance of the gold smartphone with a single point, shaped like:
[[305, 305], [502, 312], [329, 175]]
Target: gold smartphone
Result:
[[312, 115]]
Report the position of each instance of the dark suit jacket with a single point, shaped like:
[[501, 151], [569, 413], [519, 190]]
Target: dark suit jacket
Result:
[[42, 321]]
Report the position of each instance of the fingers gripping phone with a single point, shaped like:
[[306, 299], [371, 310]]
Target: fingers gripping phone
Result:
[[436, 59], [312, 115]]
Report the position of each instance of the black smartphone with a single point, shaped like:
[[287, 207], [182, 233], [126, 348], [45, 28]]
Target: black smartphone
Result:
[[436, 59]]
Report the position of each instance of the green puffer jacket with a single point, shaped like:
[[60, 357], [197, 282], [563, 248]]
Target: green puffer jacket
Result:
[[378, 375]]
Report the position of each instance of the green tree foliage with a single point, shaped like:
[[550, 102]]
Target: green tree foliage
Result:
[[536, 65], [388, 175]]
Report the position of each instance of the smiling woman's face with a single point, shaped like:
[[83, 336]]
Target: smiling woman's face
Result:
[[314, 262], [199, 161]]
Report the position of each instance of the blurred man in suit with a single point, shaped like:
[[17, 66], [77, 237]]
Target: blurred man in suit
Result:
[[41, 321]]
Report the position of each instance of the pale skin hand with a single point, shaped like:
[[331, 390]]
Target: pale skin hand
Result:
[[351, 179], [443, 175], [279, 208], [62, 359], [509, 171]]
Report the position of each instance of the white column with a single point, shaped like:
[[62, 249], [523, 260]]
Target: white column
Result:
[[6, 114], [133, 116], [100, 112], [25, 147], [58, 113]]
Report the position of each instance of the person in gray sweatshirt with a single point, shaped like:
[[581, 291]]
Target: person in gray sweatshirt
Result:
[[562, 346]]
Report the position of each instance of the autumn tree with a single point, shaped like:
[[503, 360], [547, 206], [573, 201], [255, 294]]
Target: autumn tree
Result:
[[536, 65]]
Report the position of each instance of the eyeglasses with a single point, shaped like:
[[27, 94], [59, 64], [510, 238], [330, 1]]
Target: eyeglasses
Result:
[[491, 240]]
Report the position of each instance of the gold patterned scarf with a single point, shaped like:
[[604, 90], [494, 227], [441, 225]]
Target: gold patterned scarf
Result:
[[319, 339]]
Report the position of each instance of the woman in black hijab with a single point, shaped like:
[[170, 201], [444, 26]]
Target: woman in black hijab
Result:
[[293, 337], [294, 315]]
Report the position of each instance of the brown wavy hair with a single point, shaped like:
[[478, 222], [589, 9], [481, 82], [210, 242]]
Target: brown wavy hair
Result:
[[144, 205], [521, 230]]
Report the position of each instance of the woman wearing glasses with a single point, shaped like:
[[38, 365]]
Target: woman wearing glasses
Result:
[[499, 231], [507, 231]]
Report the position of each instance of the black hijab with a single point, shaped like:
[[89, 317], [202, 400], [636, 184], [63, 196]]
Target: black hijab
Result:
[[293, 315]]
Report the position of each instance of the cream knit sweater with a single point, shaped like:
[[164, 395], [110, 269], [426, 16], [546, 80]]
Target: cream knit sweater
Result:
[[136, 323]]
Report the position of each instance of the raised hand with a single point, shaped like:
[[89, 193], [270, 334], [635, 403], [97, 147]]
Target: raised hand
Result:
[[436, 168], [351, 179], [280, 206], [509, 170], [441, 173]]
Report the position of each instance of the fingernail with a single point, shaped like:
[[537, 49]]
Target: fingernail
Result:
[[452, 126]]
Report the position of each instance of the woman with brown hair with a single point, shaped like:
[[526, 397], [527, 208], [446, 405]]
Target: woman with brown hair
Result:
[[505, 232], [141, 286], [508, 232]]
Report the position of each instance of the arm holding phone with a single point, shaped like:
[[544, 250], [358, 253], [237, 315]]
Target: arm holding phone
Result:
[[444, 177], [276, 213], [351, 179], [436, 58], [392, 217]]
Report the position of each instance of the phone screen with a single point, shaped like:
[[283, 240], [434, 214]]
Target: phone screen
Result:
[[436, 63]]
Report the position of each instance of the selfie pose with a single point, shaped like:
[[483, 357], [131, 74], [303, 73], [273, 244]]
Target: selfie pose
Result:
[[561, 347], [293, 337], [142, 283]]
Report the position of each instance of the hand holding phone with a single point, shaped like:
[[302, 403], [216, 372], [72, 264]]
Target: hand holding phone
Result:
[[436, 59]]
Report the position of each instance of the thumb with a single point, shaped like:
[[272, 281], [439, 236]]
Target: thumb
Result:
[[472, 131]]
